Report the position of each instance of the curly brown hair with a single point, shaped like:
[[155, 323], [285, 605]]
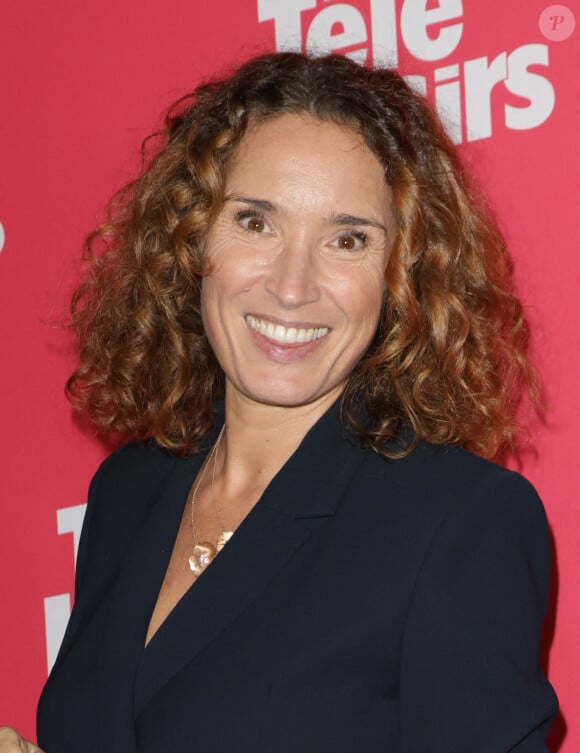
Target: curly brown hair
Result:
[[449, 357]]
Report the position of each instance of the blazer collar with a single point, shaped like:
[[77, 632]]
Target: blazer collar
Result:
[[310, 484], [312, 481], [321, 466]]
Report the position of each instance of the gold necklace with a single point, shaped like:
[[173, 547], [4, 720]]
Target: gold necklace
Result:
[[204, 552]]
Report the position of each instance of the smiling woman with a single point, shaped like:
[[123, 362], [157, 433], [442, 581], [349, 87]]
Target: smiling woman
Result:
[[306, 325], [448, 359], [298, 256]]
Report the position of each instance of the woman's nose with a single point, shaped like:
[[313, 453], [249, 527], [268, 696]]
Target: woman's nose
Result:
[[293, 277]]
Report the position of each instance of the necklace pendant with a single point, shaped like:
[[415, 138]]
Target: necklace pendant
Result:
[[223, 539], [203, 554]]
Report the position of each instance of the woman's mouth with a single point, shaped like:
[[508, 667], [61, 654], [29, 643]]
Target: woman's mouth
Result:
[[278, 333]]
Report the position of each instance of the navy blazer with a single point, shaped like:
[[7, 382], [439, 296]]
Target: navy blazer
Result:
[[363, 605]]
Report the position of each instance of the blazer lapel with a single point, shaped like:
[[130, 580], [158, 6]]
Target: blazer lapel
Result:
[[129, 605], [309, 485], [261, 546]]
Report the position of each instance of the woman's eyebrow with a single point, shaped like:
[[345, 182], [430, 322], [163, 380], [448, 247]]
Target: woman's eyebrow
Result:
[[262, 204], [350, 219], [334, 219]]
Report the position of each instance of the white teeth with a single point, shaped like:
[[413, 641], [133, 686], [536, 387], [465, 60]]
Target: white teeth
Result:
[[282, 334]]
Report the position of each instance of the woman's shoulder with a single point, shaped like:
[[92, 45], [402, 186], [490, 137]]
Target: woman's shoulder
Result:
[[133, 470], [451, 467], [129, 480], [135, 457], [446, 482], [447, 512], [124, 488]]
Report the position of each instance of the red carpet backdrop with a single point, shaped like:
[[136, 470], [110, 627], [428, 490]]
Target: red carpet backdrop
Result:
[[83, 83]]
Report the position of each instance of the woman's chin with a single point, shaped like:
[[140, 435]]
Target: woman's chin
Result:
[[285, 394]]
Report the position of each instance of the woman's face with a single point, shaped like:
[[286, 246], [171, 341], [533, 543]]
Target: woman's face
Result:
[[298, 255]]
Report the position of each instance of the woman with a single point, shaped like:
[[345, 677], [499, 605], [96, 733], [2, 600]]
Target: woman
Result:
[[308, 324]]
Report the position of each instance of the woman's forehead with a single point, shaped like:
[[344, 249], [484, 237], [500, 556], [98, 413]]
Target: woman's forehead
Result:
[[310, 170], [293, 142]]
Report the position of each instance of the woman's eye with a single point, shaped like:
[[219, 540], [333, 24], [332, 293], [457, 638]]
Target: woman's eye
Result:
[[253, 223], [353, 241]]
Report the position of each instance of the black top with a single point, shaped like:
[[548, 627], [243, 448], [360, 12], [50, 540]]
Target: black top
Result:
[[363, 605]]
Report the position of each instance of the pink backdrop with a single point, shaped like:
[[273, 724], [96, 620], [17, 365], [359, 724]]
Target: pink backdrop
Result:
[[83, 83]]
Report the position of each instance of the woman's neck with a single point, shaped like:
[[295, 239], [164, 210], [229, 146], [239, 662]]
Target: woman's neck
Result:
[[260, 438]]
